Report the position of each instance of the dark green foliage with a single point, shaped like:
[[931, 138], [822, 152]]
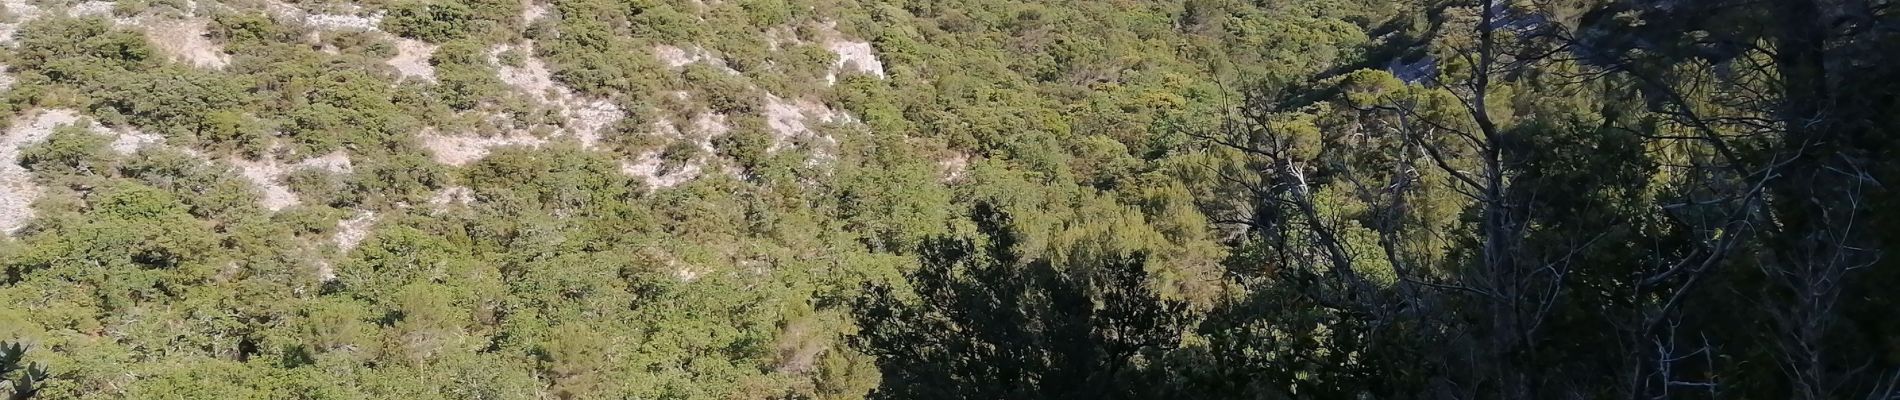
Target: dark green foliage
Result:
[[23, 379], [81, 50], [249, 28], [563, 181], [180, 102], [209, 189], [675, 156], [433, 21], [723, 92], [464, 79], [318, 186], [361, 42], [986, 324], [70, 150], [748, 143], [135, 243], [442, 21], [1079, 199], [235, 132], [768, 12], [393, 178]]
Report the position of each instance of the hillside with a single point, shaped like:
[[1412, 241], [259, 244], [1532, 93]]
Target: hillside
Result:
[[947, 199]]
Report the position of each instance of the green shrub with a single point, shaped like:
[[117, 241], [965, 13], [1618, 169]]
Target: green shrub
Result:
[[69, 150], [432, 21]]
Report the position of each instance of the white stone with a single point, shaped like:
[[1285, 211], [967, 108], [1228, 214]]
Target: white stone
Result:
[[853, 56], [128, 141], [531, 11], [351, 232], [792, 120], [453, 195], [17, 190], [677, 57], [647, 167], [268, 175], [461, 150], [185, 41], [955, 167], [327, 21], [93, 8], [585, 117], [412, 59]]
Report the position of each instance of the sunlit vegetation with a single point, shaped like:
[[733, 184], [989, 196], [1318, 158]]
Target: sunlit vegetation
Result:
[[971, 199]]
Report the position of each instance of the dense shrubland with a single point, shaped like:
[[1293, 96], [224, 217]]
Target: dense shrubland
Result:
[[1020, 199]]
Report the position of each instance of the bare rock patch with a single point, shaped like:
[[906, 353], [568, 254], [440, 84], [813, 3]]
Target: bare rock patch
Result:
[[268, 174], [853, 55], [17, 190], [412, 59], [791, 121], [461, 150], [585, 117]]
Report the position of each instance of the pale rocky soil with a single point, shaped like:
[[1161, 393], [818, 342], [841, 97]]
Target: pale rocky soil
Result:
[[791, 121], [336, 161], [531, 11], [452, 195], [647, 166], [325, 271], [321, 21], [412, 59], [462, 150], [780, 37], [91, 8], [709, 125], [853, 55], [185, 41], [22, 12], [412, 56], [585, 117], [349, 233], [955, 167], [702, 130], [17, 190], [686, 273], [268, 175], [128, 141], [677, 57]]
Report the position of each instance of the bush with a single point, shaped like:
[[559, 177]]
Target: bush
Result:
[[464, 79], [748, 143], [70, 150], [723, 92], [319, 186], [80, 51], [431, 21]]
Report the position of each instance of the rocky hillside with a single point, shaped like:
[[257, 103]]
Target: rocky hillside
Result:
[[588, 198], [947, 199]]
